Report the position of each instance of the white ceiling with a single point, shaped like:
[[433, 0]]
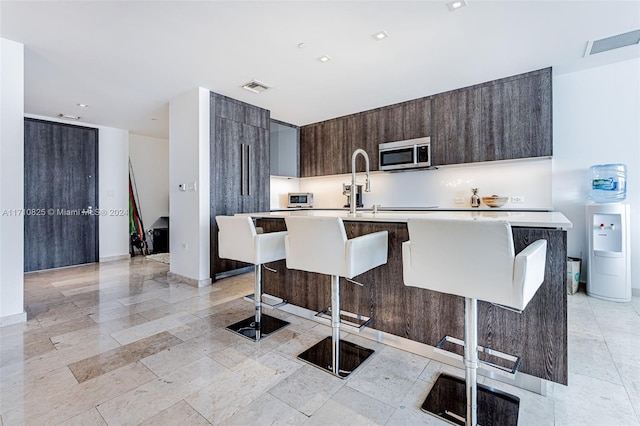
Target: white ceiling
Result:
[[127, 60]]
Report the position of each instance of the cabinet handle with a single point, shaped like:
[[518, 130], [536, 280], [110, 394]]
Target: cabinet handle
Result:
[[249, 166], [242, 160]]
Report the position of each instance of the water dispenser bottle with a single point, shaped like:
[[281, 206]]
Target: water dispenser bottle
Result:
[[608, 183]]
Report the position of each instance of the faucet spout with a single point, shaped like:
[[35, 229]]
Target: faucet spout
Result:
[[353, 203]]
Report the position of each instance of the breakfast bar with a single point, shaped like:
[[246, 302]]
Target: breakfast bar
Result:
[[538, 334]]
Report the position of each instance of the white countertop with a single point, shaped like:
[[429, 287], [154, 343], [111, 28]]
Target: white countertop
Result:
[[515, 218]]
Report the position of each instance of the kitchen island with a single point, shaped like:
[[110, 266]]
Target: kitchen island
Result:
[[538, 335]]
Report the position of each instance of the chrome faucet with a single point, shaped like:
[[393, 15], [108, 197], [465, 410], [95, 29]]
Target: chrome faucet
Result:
[[352, 204]]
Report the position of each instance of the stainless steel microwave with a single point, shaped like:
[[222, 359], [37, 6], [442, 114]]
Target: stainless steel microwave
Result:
[[409, 154], [300, 199]]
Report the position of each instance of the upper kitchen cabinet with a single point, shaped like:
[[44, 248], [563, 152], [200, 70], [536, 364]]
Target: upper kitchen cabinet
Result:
[[326, 147], [456, 136], [239, 163], [284, 147], [516, 115], [323, 148], [498, 120], [417, 118]]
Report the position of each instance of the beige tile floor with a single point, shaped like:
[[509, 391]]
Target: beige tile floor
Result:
[[116, 344]]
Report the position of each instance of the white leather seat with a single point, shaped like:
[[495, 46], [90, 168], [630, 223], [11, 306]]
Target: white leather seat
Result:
[[474, 259], [320, 245], [239, 240]]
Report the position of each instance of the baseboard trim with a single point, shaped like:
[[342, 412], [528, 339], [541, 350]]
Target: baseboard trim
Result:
[[113, 258], [177, 278], [13, 319]]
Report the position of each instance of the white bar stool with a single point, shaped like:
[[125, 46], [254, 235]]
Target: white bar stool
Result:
[[239, 240], [320, 245], [474, 259]]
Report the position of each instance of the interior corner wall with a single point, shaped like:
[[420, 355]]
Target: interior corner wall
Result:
[[11, 171], [150, 161], [113, 188], [596, 120], [189, 209]]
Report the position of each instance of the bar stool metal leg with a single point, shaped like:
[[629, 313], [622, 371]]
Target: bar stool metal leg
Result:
[[339, 357], [257, 326], [335, 323], [471, 359]]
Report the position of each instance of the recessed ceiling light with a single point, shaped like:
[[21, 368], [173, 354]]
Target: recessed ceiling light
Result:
[[380, 35], [69, 117], [457, 4], [83, 105], [324, 58]]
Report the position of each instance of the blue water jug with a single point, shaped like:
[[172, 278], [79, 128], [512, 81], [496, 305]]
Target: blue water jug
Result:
[[608, 183]]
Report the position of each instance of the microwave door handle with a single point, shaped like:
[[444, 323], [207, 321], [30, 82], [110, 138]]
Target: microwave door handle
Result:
[[415, 154]]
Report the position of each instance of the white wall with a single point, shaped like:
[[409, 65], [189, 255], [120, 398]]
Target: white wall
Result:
[[189, 210], [113, 170], [113, 187], [150, 160], [11, 171], [530, 179], [596, 120]]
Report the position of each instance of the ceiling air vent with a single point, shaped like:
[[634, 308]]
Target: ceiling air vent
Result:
[[69, 116], [256, 86], [613, 42]]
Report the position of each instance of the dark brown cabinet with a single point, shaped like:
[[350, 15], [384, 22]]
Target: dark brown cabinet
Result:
[[516, 117], [456, 136], [499, 120], [239, 163], [326, 147]]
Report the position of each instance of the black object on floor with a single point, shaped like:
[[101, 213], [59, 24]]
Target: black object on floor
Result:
[[160, 232], [247, 327], [448, 396], [351, 356]]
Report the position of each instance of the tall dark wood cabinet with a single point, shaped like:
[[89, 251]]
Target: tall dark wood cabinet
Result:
[[239, 163]]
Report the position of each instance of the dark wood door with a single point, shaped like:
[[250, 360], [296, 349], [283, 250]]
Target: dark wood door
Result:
[[227, 184], [60, 195]]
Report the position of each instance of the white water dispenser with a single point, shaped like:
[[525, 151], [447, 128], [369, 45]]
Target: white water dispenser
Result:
[[609, 268]]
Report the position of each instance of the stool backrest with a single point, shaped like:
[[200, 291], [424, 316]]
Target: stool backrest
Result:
[[236, 238], [316, 244], [467, 258]]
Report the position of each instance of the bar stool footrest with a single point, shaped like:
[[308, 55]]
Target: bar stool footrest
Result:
[[247, 327], [447, 400], [351, 356], [496, 368], [350, 324], [278, 302]]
